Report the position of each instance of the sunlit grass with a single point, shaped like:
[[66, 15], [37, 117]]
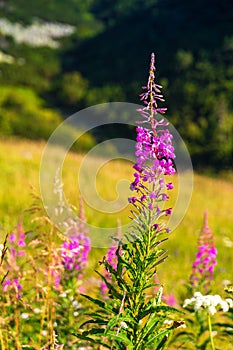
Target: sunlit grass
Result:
[[20, 164]]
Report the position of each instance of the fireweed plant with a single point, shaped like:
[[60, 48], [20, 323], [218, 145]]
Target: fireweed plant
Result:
[[69, 260], [203, 266], [201, 309], [12, 259], [41, 274], [111, 258], [133, 316], [74, 258]]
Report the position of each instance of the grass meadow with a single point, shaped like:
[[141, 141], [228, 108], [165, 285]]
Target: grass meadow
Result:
[[19, 177]]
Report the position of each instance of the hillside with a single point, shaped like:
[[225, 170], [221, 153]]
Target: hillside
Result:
[[76, 54]]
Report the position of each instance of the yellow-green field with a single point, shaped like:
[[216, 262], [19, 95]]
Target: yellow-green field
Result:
[[20, 164]]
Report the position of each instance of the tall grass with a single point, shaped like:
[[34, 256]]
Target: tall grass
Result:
[[20, 162]]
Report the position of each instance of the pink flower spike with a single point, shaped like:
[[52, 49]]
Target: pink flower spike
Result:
[[203, 267]]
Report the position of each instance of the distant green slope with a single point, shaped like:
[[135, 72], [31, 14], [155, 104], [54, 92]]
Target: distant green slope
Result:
[[107, 57], [193, 42], [69, 11]]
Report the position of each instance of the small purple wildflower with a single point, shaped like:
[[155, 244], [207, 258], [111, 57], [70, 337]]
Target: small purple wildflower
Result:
[[17, 241], [111, 258], [16, 250], [104, 288], [6, 284], [74, 252], [12, 238], [12, 285], [203, 266], [168, 211], [170, 186], [170, 300], [134, 199]]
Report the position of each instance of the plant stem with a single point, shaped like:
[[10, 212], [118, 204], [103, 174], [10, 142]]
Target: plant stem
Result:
[[2, 340], [210, 331]]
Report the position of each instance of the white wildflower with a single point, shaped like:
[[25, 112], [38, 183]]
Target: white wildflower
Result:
[[206, 302], [212, 309], [187, 302], [224, 306], [75, 303], [211, 303], [124, 325], [37, 311], [230, 302], [216, 299], [24, 316], [198, 303]]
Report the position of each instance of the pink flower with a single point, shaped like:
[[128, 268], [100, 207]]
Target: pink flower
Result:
[[154, 150], [12, 237], [12, 285], [170, 300], [169, 186], [168, 211], [203, 266]]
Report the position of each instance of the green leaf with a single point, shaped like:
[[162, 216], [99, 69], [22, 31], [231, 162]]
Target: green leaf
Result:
[[104, 305], [93, 341], [111, 323], [162, 343], [157, 243], [98, 313], [150, 286], [157, 309], [95, 301], [158, 298], [111, 287], [117, 320], [159, 335], [149, 328], [95, 321], [96, 331], [120, 337], [124, 263]]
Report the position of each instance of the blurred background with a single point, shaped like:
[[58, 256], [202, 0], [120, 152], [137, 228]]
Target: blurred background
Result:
[[57, 57]]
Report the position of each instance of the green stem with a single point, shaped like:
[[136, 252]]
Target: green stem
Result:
[[210, 331]]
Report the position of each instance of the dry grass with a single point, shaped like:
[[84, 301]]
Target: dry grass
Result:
[[20, 163]]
